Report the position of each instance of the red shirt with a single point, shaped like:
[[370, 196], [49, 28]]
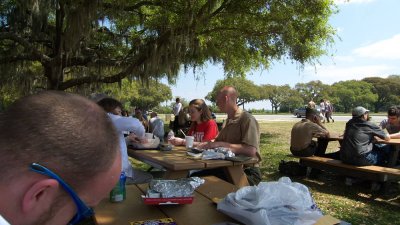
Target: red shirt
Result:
[[205, 131]]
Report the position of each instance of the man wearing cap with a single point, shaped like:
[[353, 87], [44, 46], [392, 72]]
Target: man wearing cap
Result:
[[303, 132], [357, 146]]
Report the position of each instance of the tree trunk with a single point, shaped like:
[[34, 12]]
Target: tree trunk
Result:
[[54, 74]]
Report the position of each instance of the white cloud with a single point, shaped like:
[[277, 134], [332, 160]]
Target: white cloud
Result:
[[339, 2], [384, 49], [339, 30], [343, 58], [330, 74]]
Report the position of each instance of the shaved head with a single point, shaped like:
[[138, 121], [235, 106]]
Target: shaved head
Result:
[[226, 99], [229, 91]]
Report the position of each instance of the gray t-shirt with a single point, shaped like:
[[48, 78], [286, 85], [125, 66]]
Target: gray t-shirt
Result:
[[391, 129]]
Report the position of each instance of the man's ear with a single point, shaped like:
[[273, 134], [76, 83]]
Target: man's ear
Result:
[[40, 196]]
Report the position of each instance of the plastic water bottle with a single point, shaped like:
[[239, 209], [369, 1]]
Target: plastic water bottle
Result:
[[118, 193], [170, 136]]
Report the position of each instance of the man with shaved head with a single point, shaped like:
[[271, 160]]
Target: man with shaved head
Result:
[[240, 132], [59, 156]]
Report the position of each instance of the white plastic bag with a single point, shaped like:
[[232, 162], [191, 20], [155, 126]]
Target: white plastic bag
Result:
[[272, 203], [151, 143]]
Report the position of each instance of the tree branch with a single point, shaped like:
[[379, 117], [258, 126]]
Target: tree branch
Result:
[[35, 54], [85, 61], [132, 7], [244, 31], [110, 79], [12, 59]]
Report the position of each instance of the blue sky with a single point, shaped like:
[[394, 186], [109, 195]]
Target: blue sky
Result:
[[369, 45]]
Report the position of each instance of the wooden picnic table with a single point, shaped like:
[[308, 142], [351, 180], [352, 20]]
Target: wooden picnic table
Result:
[[201, 211], [395, 142], [395, 155], [178, 164], [335, 137]]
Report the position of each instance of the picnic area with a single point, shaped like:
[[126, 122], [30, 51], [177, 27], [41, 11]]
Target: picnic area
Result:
[[356, 204], [94, 96]]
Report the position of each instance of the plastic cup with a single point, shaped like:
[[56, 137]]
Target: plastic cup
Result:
[[149, 136], [189, 141]]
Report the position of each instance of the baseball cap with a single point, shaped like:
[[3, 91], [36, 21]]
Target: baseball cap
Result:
[[359, 111]]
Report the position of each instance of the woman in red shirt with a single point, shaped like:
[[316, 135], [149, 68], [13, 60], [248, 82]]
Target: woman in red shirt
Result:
[[203, 127]]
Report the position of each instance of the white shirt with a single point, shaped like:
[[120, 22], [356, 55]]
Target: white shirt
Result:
[[177, 107], [157, 127], [322, 106], [126, 124], [3, 221]]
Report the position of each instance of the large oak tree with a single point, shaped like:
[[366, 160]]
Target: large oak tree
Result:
[[67, 44], [247, 90], [388, 91]]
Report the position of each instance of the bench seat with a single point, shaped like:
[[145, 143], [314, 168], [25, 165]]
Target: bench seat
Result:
[[373, 173]]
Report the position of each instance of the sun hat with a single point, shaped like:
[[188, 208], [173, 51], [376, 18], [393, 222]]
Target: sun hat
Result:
[[359, 111]]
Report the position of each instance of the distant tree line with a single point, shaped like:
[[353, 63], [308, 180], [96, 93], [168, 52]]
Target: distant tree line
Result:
[[374, 93]]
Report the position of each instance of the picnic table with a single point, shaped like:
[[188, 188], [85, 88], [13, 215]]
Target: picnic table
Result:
[[335, 137], [395, 155], [395, 142], [178, 164], [201, 211], [373, 172]]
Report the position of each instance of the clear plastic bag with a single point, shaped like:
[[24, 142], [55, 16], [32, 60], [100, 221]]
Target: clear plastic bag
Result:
[[272, 203]]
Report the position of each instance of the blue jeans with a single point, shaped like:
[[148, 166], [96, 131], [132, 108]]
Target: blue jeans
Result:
[[379, 155]]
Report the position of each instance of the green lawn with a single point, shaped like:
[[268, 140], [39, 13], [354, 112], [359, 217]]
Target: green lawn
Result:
[[355, 204]]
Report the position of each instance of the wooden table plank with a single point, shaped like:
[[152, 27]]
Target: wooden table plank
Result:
[[177, 164], [335, 137], [215, 188], [209, 164], [131, 209], [172, 160], [201, 211], [237, 176], [247, 162]]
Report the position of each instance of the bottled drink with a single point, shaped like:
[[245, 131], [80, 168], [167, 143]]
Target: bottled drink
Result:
[[118, 193], [170, 136]]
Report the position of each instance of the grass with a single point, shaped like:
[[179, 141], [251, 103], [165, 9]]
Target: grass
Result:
[[356, 204]]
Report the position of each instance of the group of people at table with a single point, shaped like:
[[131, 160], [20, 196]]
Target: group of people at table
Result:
[[358, 146], [61, 153]]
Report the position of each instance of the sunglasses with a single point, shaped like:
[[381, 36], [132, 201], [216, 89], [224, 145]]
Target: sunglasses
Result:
[[84, 212]]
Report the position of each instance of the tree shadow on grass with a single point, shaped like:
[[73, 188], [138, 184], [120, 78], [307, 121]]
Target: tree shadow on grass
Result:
[[334, 184], [331, 185], [361, 190]]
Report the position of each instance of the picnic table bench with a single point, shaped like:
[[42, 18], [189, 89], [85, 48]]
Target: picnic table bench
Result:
[[373, 173], [202, 211]]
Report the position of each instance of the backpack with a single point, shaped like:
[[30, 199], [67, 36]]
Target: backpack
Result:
[[292, 168]]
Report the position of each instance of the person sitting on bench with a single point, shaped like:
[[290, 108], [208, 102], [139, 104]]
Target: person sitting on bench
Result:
[[358, 147], [303, 132]]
